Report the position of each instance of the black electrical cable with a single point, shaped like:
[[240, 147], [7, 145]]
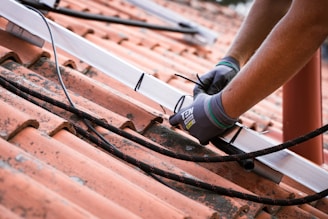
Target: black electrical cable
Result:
[[154, 170], [200, 184], [18, 89], [84, 15], [235, 157]]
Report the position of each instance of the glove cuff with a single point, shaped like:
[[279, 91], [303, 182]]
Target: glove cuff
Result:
[[230, 62], [216, 114]]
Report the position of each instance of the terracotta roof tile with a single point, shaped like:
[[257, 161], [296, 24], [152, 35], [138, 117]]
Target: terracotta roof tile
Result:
[[78, 26], [47, 122], [164, 193], [21, 185], [39, 83], [98, 93], [63, 174], [68, 187], [20, 46], [125, 92], [8, 54], [112, 185], [196, 171], [14, 121]]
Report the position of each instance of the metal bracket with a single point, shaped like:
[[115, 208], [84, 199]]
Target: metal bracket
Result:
[[24, 34], [50, 3]]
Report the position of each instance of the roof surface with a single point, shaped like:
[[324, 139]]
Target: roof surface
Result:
[[49, 170]]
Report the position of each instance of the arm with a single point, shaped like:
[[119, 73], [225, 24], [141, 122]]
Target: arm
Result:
[[262, 17], [260, 20], [285, 51]]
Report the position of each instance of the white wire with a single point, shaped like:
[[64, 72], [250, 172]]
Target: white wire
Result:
[[55, 55], [60, 77]]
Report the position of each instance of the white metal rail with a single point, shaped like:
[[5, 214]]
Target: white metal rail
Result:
[[90, 53], [204, 36]]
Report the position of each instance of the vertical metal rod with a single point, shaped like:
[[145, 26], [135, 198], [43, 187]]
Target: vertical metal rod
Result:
[[302, 109]]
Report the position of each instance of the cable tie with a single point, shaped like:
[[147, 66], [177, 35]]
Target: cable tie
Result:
[[162, 107], [200, 83], [137, 87], [235, 135], [179, 104]]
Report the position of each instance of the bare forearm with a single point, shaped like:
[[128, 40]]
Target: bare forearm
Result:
[[288, 47], [262, 17]]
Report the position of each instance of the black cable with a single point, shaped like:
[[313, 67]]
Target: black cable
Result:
[[200, 184], [18, 89], [238, 157], [96, 17], [154, 170]]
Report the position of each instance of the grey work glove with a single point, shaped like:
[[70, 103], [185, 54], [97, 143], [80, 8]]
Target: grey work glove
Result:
[[204, 118], [215, 80]]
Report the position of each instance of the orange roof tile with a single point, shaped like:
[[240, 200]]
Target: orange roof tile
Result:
[[62, 174]]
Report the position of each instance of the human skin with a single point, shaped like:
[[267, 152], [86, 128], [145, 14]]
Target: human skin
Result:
[[276, 40]]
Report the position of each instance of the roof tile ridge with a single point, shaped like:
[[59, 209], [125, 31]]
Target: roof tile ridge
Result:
[[12, 121], [27, 52], [6, 54], [51, 89]]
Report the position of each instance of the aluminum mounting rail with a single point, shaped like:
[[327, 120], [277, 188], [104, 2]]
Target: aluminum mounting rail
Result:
[[96, 56], [205, 35], [285, 161]]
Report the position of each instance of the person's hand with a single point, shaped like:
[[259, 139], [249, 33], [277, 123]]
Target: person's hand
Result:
[[215, 80], [204, 118]]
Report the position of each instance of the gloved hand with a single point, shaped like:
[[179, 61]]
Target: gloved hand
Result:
[[204, 118], [215, 80]]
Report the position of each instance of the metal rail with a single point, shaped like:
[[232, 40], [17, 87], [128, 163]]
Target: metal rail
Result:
[[285, 161], [96, 56], [204, 36]]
